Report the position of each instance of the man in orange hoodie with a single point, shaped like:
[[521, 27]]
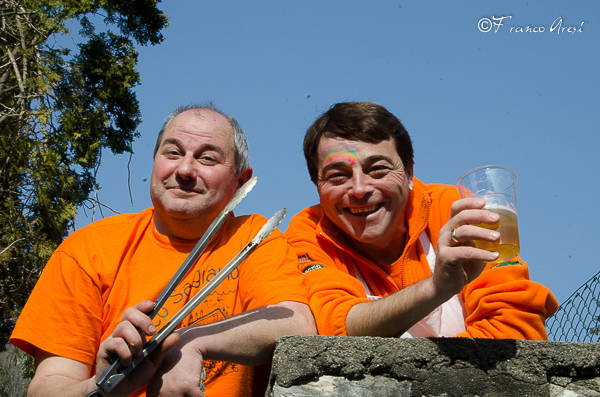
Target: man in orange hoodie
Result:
[[385, 255]]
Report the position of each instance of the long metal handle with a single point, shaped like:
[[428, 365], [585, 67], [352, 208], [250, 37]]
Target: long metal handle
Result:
[[201, 245], [108, 381]]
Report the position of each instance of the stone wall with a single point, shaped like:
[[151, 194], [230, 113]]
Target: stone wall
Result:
[[352, 366]]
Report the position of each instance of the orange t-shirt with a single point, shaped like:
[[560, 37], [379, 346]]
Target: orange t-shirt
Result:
[[110, 265], [501, 303]]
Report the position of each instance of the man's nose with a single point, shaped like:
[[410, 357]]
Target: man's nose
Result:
[[186, 168], [360, 184]]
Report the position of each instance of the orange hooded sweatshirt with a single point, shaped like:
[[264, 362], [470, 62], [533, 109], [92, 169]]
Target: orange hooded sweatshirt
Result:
[[500, 303]]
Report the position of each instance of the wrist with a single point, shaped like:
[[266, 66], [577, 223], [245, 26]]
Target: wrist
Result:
[[435, 293], [192, 339], [91, 386]]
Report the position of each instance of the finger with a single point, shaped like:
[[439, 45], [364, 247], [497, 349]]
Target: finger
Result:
[[467, 254], [159, 354], [145, 306], [466, 204], [118, 347], [454, 233], [131, 335], [467, 233], [474, 217], [169, 342], [139, 318]]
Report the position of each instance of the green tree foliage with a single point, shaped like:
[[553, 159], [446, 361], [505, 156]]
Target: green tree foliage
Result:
[[58, 109]]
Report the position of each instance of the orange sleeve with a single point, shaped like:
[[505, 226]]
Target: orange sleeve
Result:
[[63, 314], [331, 290], [332, 294], [273, 275], [503, 303]]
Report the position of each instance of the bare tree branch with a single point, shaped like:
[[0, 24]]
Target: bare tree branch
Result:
[[10, 245], [16, 69]]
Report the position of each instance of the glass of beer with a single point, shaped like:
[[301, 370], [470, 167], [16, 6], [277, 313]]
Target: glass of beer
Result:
[[496, 184]]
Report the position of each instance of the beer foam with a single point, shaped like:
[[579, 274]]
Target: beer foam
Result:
[[498, 207]]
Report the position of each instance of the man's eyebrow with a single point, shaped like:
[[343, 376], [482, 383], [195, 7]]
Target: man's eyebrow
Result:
[[203, 148], [377, 157], [366, 162], [170, 141], [334, 164], [214, 148]]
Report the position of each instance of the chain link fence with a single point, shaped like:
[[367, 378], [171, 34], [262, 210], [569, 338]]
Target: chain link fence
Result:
[[578, 318]]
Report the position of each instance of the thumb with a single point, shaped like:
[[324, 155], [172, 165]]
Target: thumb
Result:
[[161, 351], [169, 342]]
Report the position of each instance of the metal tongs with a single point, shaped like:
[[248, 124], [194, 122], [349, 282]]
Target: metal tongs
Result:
[[114, 374]]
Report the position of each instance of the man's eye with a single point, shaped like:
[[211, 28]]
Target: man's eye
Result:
[[205, 159], [171, 153], [336, 178], [378, 171]]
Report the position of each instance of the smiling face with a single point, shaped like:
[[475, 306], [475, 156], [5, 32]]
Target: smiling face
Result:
[[193, 177], [363, 189]]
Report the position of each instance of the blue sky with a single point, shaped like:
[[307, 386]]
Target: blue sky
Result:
[[526, 99]]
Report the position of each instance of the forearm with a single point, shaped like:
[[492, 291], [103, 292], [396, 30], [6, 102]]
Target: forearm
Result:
[[59, 376], [62, 386], [394, 314], [249, 338]]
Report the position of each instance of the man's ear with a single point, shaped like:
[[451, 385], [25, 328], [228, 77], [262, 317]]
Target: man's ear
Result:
[[244, 176], [410, 178]]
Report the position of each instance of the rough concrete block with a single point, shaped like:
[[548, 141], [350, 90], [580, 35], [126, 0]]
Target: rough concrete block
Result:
[[351, 366]]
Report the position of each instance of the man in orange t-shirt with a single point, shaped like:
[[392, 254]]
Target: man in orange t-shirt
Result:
[[92, 299], [385, 255]]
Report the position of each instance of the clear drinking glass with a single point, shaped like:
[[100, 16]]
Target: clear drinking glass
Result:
[[496, 184]]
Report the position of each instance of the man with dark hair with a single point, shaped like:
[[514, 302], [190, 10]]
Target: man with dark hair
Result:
[[92, 299], [385, 255]]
